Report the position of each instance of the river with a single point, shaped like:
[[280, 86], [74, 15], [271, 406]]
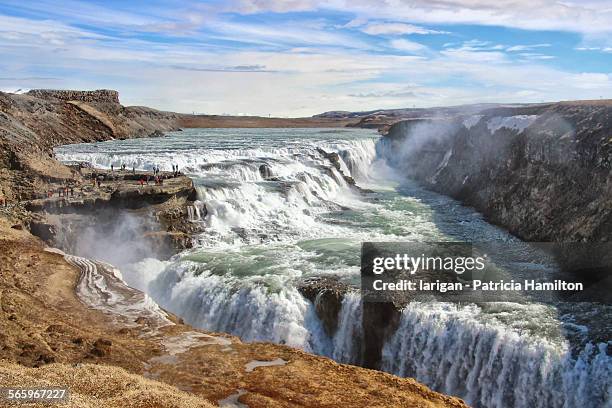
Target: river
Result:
[[264, 235]]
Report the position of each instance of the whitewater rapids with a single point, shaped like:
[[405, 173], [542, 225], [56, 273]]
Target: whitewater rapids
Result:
[[267, 231]]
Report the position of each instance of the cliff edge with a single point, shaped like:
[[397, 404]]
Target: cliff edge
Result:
[[544, 172]]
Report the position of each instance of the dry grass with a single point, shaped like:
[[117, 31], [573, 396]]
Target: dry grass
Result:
[[95, 386]]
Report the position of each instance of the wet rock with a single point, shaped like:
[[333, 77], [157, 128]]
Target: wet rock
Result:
[[349, 180], [43, 230], [333, 157], [265, 171], [380, 320], [326, 294], [156, 133]]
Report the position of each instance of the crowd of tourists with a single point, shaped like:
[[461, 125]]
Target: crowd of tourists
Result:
[[97, 179]]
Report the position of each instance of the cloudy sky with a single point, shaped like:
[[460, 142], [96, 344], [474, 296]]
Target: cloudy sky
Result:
[[301, 57]]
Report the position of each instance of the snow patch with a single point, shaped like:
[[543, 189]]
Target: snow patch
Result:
[[518, 122], [471, 121]]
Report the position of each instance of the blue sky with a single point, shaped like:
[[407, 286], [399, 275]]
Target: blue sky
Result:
[[301, 57]]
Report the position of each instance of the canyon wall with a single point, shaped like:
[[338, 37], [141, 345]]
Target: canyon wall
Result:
[[541, 171]]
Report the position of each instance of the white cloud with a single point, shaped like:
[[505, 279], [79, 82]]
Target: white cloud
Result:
[[600, 49], [396, 29], [299, 68], [406, 45], [287, 34], [584, 16], [535, 56], [526, 47]]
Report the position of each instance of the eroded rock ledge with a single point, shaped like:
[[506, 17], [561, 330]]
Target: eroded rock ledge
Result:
[[157, 213]]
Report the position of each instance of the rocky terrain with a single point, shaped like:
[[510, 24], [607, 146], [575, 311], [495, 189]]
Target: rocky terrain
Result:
[[103, 347], [543, 171], [32, 124], [70, 321], [217, 121]]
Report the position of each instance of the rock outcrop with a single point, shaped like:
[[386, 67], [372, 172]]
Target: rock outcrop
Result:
[[97, 96], [326, 294], [544, 172]]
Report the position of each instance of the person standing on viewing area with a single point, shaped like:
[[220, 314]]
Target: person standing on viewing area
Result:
[[112, 168], [134, 170]]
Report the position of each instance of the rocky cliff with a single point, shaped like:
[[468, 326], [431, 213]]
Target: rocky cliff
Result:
[[32, 124], [541, 171]]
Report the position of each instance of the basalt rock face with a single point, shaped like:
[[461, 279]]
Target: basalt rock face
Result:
[[542, 171]]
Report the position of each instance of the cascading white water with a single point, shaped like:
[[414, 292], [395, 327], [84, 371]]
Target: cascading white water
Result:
[[194, 212], [460, 351], [266, 231], [358, 160]]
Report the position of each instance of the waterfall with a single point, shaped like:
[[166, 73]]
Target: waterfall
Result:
[[194, 212], [348, 339], [359, 159], [264, 235], [455, 350]]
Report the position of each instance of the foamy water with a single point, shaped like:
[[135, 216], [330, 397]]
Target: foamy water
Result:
[[263, 235]]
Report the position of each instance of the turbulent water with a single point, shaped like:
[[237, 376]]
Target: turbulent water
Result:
[[265, 234]]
